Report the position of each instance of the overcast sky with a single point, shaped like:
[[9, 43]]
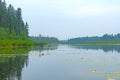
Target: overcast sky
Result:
[[70, 18]]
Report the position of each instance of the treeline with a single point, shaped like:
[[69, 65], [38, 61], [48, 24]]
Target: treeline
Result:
[[12, 26], [105, 37], [40, 39]]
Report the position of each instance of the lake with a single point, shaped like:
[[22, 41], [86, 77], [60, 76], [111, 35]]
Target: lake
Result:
[[61, 62]]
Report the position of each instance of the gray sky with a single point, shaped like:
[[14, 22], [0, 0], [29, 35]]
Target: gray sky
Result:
[[70, 18]]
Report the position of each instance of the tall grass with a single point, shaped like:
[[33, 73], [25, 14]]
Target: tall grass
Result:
[[15, 43]]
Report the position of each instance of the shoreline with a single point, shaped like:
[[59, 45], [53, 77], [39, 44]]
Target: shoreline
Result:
[[18, 44], [117, 43]]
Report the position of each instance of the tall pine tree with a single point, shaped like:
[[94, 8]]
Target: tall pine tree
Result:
[[11, 23]]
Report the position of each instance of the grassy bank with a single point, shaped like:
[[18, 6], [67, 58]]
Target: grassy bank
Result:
[[98, 43], [19, 43], [14, 51], [15, 43]]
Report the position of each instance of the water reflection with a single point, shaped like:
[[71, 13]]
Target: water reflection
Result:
[[39, 50], [12, 62], [73, 62], [61, 62], [107, 48], [45, 48]]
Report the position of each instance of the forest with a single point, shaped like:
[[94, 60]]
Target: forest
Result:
[[40, 39], [14, 31], [12, 26], [104, 38]]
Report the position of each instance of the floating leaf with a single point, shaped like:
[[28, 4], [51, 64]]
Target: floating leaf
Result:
[[93, 71], [111, 79]]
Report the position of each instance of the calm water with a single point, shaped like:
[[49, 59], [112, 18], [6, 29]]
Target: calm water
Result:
[[61, 62]]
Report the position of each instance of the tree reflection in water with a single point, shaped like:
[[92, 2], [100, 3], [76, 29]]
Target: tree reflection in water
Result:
[[12, 62], [45, 48], [105, 48]]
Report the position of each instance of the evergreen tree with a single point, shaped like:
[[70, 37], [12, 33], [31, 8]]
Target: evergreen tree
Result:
[[11, 22]]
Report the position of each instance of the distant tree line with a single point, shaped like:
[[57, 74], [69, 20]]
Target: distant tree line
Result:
[[105, 37], [12, 26], [43, 39]]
